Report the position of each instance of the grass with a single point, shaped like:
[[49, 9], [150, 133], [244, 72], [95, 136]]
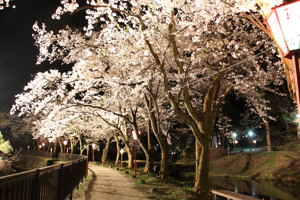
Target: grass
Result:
[[282, 166], [159, 189], [79, 193]]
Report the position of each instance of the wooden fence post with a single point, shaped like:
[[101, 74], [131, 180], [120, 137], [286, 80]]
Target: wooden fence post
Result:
[[60, 181], [38, 185]]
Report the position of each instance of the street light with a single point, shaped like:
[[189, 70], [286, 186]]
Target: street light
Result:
[[234, 136], [93, 147], [121, 152], [65, 142], [134, 135], [284, 25], [250, 134]]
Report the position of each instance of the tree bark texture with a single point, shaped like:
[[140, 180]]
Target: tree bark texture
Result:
[[268, 136], [117, 149], [105, 151]]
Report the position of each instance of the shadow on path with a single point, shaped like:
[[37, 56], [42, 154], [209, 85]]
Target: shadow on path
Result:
[[91, 185]]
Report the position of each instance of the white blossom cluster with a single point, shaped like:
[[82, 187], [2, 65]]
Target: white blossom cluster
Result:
[[164, 49], [5, 4]]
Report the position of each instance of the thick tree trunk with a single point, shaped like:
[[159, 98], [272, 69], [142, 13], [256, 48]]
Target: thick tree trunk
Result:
[[117, 149], [268, 136], [71, 145], [163, 173], [130, 158], [145, 150], [105, 151], [201, 179], [147, 163], [55, 147], [61, 145]]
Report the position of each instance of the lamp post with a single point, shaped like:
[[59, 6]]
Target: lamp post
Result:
[[234, 136], [254, 142], [251, 135], [65, 142], [121, 152], [93, 147], [134, 135], [283, 22]]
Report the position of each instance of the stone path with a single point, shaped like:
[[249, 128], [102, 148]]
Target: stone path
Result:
[[110, 184]]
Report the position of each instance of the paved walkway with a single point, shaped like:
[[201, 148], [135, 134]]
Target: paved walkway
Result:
[[110, 184]]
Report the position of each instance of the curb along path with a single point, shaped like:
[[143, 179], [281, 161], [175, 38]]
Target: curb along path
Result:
[[110, 184]]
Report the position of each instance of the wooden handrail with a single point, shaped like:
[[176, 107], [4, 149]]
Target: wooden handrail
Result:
[[232, 195], [55, 182]]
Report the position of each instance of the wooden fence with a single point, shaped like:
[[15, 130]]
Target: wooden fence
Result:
[[55, 182]]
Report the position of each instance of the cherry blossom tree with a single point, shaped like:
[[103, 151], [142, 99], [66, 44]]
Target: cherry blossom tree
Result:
[[197, 57]]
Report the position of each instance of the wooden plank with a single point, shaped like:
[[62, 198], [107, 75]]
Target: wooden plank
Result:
[[232, 195]]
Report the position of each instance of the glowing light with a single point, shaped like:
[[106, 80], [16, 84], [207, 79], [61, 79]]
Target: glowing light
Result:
[[122, 151], [134, 135], [251, 133]]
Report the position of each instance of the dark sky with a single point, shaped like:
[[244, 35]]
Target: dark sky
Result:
[[17, 50], [17, 53]]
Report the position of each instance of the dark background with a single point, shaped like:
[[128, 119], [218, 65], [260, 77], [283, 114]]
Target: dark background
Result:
[[17, 50]]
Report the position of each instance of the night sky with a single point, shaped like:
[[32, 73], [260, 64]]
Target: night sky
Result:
[[17, 50]]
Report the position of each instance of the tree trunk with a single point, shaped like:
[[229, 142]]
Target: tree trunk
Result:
[[197, 154], [61, 145], [150, 145], [118, 150], [163, 173], [268, 136], [105, 150], [55, 147], [80, 146], [130, 158], [72, 145], [145, 150], [201, 185], [87, 151]]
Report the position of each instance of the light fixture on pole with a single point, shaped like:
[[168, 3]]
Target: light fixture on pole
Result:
[[234, 137], [121, 152], [283, 22], [250, 134], [65, 142], [134, 135], [93, 147]]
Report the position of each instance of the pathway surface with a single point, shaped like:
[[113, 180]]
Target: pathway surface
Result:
[[110, 184]]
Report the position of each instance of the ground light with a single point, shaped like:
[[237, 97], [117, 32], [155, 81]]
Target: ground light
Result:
[[121, 152], [65, 142], [134, 135], [93, 147]]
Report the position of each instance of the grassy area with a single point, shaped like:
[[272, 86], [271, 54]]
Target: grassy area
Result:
[[79, 193], [282, 166], [161, 189], [28, 162]]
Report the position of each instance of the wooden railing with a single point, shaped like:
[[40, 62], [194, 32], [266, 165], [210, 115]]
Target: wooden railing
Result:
[[230, 195], [55, 182]]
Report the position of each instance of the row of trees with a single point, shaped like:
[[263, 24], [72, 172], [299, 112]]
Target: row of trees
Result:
[[145, 65]]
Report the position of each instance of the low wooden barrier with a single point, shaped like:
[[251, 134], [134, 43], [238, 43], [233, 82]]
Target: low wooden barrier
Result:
[[55, 182], [231, 195]]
